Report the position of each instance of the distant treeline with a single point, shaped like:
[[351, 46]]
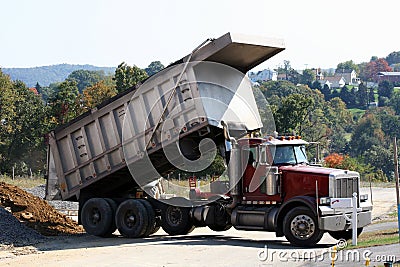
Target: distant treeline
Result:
[[47, 75]]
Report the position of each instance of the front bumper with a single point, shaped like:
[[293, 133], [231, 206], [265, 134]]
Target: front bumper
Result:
[[338, 222]]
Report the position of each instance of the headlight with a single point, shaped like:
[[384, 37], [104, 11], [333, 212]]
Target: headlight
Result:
[[363, 198], [324, 200]]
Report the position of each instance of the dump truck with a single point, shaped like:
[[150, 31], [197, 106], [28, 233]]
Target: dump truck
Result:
[[114, 159]]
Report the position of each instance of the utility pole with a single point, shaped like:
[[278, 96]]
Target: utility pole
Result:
[[396, 176]]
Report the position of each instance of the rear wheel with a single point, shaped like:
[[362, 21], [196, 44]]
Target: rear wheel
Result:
[[300, 227], [151, 217], [97, 217], [132, 218], [114, 207], [176, 220], [345, 234]]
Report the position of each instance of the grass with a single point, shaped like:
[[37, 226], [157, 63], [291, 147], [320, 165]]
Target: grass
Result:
[[23, 182], [393, 214], [377, 238], [356, 112]]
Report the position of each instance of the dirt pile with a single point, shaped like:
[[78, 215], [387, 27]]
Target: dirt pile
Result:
[[36, 213]]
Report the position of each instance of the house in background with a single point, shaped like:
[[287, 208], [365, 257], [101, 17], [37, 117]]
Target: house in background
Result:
[[318, 74], [333, 82], [388, 76], [263, 75], [350, 76], [281, 77]]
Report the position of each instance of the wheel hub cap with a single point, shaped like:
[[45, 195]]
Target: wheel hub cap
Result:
[[302, 227]]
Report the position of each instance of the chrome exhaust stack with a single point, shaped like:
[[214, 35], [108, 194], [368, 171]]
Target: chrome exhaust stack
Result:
[[234, 167]]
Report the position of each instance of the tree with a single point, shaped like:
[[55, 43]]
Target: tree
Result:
[[390, 122], [348, 96], [293, 112], [374, 67], [368, 132], [333, 160], [22, 117], [308, 77], [290, 74], [362, 74], [381, 158], [393, 58], [339, 121], [326, 91], [38, 88], [347, 65], [85, 78], [65, 102], [371, 95], [362, 96], [316, 85], [154, 67], [286, 69], [97, 93], [395, 102], [396, 67], [127, 76], [383, 101], [279, 89], [386, 89]]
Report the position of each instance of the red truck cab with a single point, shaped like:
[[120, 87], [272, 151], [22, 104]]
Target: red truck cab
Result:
[[295, 195]]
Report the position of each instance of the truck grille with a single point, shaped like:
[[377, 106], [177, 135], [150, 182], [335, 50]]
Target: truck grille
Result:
[[346, 186]]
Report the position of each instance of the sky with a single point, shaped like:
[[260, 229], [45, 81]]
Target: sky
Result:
[[106, 32]]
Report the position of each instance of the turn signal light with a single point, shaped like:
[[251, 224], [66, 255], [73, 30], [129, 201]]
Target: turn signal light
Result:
[[324, 201]]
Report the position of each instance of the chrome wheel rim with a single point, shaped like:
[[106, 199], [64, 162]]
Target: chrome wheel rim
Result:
[[302, 227]]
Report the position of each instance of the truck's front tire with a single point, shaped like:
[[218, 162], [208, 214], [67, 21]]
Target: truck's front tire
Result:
[[97, 217], [300, 227], [176, 220]]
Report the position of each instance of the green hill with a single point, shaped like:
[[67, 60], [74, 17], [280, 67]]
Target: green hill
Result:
[[50, 74]]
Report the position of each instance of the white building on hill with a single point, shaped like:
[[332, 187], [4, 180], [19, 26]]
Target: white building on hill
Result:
[[263, 75]]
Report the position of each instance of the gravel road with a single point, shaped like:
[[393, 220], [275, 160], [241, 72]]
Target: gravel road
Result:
[[202, 247]]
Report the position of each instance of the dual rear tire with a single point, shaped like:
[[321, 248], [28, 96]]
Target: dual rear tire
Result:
[[98, 216], [133, 218]]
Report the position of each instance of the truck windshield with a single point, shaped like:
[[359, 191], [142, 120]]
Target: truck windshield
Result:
[[289, 155]]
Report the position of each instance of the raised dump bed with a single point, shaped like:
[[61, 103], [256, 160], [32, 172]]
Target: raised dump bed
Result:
[[176, 108]]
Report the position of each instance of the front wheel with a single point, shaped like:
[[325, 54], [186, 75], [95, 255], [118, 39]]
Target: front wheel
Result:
[[345, 234], [300, 227]]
